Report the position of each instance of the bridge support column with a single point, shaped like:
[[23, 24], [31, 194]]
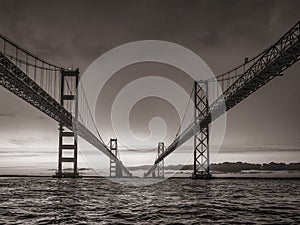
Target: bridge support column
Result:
[[115, 167], [160, 165], [68, 132], [201, 134]]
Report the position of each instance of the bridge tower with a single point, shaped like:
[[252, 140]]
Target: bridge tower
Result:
[[201, 136], [161, 164], [68, 138], [115, 167]]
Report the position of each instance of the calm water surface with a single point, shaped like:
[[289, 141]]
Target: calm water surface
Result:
[[175, 201]]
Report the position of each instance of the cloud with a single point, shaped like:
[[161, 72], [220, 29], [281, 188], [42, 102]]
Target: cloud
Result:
[[25, 141], [28, 141], [221, 32], [13, 151], [7, 115]]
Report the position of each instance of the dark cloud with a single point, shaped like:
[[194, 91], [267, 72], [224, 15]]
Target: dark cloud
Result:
[[221, 32], [75, 32]]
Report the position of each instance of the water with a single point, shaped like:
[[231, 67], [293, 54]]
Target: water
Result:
[[180, 201]]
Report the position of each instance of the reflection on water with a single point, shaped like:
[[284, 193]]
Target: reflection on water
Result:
[[182, 201]]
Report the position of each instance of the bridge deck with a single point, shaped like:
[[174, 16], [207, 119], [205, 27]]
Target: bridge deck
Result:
[[280, 56], [17, 82]]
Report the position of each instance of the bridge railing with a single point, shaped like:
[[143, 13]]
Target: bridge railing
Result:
[[262, 61], [228, 78]]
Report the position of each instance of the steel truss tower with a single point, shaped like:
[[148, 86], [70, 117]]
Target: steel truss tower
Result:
[[115, 168], [201, 136], [68, 152], [161, 164]]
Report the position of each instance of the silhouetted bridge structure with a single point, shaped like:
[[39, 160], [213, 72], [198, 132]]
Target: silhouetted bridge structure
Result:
[[55, 91], [52, 90]]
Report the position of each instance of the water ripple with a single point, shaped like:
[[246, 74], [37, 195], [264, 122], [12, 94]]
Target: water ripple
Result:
[[99, 201]]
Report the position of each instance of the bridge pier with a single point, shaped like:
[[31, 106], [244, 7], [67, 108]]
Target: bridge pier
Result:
[[160, 166], [68, 152], [201, 136], [115, 166]]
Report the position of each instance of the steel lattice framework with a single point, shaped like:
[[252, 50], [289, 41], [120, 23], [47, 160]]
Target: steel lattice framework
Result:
[[18, 74], [160, 167], [20, 84], [65, 97], [269, 64], [201, 136], [115, 170]]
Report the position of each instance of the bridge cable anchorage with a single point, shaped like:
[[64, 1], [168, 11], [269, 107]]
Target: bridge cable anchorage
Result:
[[31, 79], [242, 81]]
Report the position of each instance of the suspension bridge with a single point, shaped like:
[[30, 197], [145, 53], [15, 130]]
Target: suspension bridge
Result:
[[57, 92]]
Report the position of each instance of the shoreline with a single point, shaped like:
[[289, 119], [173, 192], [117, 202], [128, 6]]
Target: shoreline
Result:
[[173, 178]]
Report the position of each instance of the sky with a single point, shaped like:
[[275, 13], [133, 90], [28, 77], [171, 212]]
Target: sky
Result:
[[75, 33]]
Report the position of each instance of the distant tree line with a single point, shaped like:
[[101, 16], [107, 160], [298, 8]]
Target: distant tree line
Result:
[[232, 167], [239, 166]]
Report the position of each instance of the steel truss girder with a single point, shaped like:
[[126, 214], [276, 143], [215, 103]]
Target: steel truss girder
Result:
[[273, 62], [17, 82]]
